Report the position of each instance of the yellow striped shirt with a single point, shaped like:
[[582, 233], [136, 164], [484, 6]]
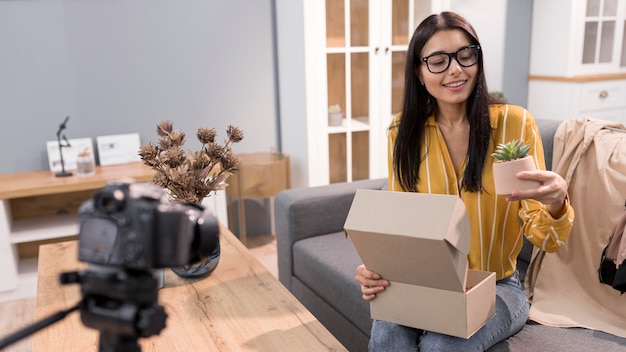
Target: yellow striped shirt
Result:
[[495, 223]]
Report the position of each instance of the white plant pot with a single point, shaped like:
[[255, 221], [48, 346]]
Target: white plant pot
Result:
[[504, 176], [334, 119]]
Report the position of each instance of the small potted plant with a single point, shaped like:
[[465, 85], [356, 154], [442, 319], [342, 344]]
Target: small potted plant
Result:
[[511, 158], [334, 115]]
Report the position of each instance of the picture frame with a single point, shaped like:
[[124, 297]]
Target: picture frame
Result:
[[118, 149], [70, 153]]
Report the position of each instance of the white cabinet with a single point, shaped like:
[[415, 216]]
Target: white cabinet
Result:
[[578, 59], [604, 99], [354, 54]]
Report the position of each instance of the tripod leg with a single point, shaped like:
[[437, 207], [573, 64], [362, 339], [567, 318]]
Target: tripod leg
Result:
[[31, 329], [112, 342]]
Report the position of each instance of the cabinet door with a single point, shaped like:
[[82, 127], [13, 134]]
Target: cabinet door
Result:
[[603, 49], [366, 48], [399, 18], [404, 16], [348, 68]]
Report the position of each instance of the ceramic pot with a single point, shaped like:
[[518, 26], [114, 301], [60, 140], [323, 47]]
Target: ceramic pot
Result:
[[504, 177], [201, 269], [85, 165], [335, 119]]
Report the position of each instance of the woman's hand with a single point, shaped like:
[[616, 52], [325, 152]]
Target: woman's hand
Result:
[[371, 282], [552, 192]]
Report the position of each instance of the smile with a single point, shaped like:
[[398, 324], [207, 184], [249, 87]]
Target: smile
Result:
[[454, 84]]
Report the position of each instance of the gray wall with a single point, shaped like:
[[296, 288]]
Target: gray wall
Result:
[[291, 62], [121, 66], [517, 51]]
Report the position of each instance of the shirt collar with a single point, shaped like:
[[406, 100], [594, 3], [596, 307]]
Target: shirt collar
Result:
[[494, 112]]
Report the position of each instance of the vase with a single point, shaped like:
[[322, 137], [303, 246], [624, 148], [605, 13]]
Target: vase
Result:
[[200, 269], [505, 179], [85, 165]]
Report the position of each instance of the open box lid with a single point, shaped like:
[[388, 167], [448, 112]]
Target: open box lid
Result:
[[412, 238]]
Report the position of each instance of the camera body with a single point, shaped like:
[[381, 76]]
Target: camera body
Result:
[[133, 226]]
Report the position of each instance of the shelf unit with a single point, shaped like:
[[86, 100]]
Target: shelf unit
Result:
[[578, 60], [37, 206], [355, 52]]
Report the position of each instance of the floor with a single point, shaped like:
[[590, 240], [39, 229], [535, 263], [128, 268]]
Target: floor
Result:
[[18, 313]]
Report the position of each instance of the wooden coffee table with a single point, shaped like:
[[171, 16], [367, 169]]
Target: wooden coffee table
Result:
[[240, 307]]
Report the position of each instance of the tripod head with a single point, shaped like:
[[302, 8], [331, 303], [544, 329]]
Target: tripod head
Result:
[[121, 304]]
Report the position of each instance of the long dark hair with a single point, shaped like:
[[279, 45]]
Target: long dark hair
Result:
[[418, 105]]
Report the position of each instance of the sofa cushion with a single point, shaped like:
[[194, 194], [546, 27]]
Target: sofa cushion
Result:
[[332, 260], [540, 338]]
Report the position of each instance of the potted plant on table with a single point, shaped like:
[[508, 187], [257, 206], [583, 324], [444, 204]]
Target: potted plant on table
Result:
[[511, 158], [191, 176]]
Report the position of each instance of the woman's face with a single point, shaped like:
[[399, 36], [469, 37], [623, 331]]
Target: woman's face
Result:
[[456, 83]]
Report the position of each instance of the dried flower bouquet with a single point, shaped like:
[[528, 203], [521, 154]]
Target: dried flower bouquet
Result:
[[190, 176]]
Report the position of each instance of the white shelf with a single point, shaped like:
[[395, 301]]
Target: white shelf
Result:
[[357, 124], [43, 228]]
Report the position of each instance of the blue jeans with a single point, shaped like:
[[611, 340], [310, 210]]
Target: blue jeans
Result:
[[511, 314]]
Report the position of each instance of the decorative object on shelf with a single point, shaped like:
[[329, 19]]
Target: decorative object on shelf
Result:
[[512, 157], [335, 116], [118, 149], [62, 126], [71, 149], [85, 165], [191, 176]]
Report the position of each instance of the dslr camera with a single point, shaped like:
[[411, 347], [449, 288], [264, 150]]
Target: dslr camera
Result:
[[133, 226]]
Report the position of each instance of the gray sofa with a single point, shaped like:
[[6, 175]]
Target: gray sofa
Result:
[[317, 264]]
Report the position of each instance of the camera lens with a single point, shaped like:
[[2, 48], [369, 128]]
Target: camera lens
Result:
[[110, 199]]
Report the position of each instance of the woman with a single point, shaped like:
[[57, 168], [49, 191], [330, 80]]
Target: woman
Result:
[[442, 143]]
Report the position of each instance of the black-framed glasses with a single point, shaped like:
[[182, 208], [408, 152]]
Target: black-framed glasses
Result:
[[467, 56]]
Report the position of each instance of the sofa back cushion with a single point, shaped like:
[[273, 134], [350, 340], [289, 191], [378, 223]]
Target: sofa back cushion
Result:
[[547, 129]]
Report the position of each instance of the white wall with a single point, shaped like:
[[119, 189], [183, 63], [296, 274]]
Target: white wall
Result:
[[488, 17], [119, 66], [503, 28]]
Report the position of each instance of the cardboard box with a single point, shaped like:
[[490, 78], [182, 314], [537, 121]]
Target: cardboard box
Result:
[[419, 243]]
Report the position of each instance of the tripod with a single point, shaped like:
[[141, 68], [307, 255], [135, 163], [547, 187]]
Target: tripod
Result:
[[121, 304]]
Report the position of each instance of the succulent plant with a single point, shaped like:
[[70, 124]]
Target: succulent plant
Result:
[[511, 150], [334, 109]]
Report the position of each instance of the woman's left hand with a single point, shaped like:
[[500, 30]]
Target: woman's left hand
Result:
[[552, 190]]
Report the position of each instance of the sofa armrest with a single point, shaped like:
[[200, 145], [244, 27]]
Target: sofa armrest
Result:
[[312, 211]]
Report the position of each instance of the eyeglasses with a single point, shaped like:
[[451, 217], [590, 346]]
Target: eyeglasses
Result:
[[467, 56]]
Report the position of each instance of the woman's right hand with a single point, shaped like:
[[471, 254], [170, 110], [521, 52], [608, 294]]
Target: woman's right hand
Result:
[[371, 283]]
